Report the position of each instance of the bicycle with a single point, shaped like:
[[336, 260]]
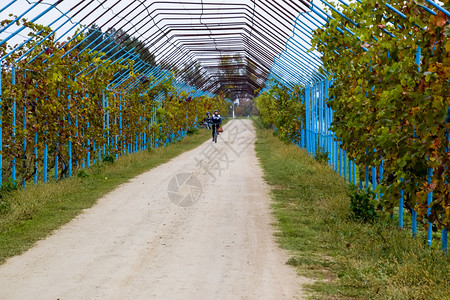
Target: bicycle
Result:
[[215, 135], [206, 123], [217, 130]]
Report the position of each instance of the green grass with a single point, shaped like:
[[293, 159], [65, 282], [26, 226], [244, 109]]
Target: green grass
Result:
[[348, 259], [33, 213]]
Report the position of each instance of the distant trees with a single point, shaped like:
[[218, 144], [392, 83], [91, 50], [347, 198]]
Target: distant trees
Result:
[[246, 108], [240, 76], [116, 43], [193, 75], [230, 69]]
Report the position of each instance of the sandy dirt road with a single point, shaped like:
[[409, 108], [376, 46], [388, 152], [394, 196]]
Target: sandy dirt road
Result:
[[197, 227]]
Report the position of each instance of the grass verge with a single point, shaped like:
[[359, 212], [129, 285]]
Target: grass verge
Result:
[[33, 213], [348, 259]]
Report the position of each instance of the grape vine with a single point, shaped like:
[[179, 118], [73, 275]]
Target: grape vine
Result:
[[390, 98]]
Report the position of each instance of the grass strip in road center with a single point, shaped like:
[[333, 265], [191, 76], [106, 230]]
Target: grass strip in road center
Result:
[[31, 214], [349, 259]]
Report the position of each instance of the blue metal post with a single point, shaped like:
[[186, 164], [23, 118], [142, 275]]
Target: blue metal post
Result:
[[414, 222], [45, 163], [311, 120], [88, 156], [374, 180], [99, 158], [35, 153], [56, 150], [327, 122], [323, 119], [122, 150], [400, 210], [344, 153], [36, 156], [104, 124], [70, 137], [140, 135], [414, 213], [13, 169], [331, 135], [24, 128], [429, 200], [381, 177], [314, 117], [350, 170], [302, 130], [149, 136], [107, 119], [336, 156], [444, 240], [320, 86], [367, 177], [381, 173], [1, 125], [445, 230], [115, 126], [307, 119]]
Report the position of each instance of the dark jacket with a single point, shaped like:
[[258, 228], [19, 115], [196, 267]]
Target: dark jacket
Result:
[[216, 119]]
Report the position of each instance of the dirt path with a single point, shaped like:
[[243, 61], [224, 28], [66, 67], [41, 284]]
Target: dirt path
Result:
[[197, 227]]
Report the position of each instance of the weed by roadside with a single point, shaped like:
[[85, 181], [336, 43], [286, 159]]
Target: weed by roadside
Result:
[[192, 131], [5, 190], [321, 155], [362, 205], [109, 159]]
